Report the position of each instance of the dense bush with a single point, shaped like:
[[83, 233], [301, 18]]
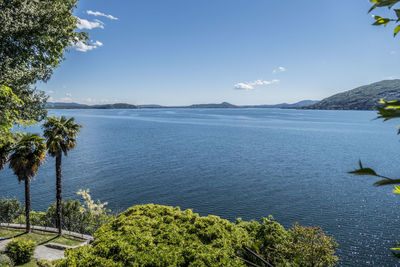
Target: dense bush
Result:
[[298, 246], [269, 240], [10, 210], [156, 235], [45, 263], [75, 217], [5, 261], [20, 250], [82, 218], [153, 235]]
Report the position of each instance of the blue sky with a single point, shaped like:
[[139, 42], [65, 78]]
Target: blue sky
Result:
[[178, 52]]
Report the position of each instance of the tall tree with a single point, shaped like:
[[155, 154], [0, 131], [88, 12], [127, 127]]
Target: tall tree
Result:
[[61, 134], [33, 38], [27, 155]]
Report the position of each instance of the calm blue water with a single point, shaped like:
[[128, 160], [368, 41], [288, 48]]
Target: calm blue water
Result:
[[245, 163]]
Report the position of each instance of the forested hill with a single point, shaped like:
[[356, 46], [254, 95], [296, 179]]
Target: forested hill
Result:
[[60, 105], [362, 98]]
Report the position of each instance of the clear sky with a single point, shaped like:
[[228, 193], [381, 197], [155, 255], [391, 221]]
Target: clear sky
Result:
[[178, 52]]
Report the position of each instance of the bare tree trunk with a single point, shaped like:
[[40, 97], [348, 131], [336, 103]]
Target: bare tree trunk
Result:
[[28, 204], [59, 193]]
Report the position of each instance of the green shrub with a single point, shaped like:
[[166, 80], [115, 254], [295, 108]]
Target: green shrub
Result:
[[44, 263], [76, 218], [269, 240], [20, 250], [309, 246], [298, 246], [154, 235], [5, 261], [38, 218], [10, 210]]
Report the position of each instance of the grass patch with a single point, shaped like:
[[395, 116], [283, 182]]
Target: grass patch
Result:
[[32, 263], [39, 237]]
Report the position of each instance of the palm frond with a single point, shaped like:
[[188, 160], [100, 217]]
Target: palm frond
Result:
[[27, 156], [61, 134]]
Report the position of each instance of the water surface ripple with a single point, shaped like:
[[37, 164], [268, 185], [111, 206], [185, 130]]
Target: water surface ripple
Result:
[[245, 163]]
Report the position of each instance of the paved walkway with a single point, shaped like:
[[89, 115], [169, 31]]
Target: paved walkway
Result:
[[49, 254], [41, 252], [51, 251]]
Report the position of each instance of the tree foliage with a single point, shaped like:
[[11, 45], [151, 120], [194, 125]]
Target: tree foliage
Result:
[[10, 210], [33, 38], [154, 235], [28, 154], [379, 21], [298, 246], [60, 134], [84, 218]]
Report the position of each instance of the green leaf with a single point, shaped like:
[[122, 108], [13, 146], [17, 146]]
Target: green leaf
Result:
[[364, 171], [397, 14], [381, 21], [397, 189], [397, 30], [387, 181]]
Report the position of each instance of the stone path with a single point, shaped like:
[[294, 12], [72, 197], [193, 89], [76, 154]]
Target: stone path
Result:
[[48, 251], [41, 252], [50, 254], [3, 244]]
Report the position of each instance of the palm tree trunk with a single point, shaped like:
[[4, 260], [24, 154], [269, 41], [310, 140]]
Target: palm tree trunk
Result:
[[28, 204], [59, 193]]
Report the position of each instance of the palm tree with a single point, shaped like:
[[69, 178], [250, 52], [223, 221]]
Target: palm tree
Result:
[[27, 155], [61, 134]]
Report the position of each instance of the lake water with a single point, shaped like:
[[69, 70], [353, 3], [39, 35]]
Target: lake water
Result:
[[233, 163]]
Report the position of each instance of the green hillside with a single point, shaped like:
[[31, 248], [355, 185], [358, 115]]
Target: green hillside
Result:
[[361, 98]]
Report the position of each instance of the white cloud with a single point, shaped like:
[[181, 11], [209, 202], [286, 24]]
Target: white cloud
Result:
[[85, 24], [279, 69], [98, 43], [50, 92], [250, 85], [68, 94], [97, 13], [243, 86], [84, 47]]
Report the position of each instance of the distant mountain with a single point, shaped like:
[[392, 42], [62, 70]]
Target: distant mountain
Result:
[[58, 105], [115, 106], [221, 105], [362, 98], [300, 104], [61, 105], [150, 106]]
